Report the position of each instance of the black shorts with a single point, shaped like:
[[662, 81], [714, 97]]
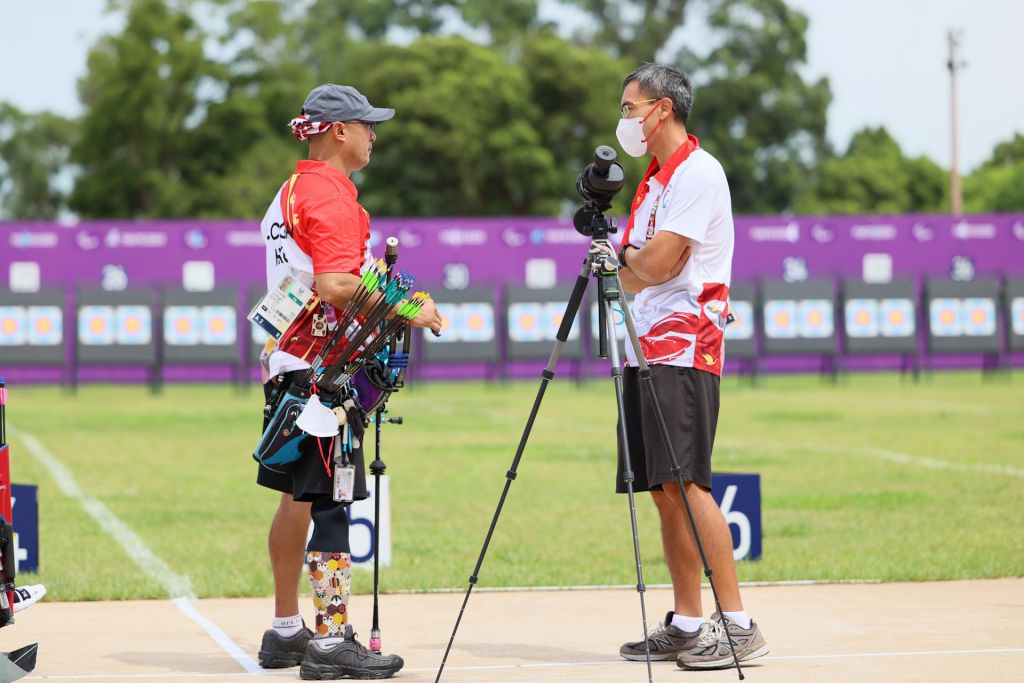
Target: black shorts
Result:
[[307, 478], [689, 401]]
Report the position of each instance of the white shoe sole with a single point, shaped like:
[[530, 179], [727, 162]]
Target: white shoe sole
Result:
[[655, 657], [725, 663]]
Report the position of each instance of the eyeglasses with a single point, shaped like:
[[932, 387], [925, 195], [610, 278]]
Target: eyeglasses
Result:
[[370, 125], [628, 106]]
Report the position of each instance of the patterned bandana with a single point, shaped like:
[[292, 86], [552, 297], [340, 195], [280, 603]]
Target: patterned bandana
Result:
[[302, 127]]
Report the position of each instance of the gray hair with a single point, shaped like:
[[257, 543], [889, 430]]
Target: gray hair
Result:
[[658, 80]]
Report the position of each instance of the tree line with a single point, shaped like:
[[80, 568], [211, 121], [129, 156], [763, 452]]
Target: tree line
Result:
[[185, 110]]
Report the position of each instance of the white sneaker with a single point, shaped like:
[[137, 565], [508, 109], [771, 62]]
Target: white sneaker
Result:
[[26, 596]]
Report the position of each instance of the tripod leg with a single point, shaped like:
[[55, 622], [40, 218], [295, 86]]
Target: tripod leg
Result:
[[677, 473], [548, 374], [377, 468], [627, 468]]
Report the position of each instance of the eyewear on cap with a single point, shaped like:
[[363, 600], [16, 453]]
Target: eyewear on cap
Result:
[[627, 107]]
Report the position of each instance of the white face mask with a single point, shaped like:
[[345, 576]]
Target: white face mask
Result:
[[630, 133]]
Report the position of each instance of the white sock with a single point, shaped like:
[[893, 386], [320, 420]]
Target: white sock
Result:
[[688, 624], [288, 626], [739, 618]]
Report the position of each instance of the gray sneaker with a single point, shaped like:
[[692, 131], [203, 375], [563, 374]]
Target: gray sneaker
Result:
[[279, 652], [666, 641], [712, 650], [329, 659]]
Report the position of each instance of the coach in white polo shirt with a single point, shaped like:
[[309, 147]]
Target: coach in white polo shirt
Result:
[[676, 258]]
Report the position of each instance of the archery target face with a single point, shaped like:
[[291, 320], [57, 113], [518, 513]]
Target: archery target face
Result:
[[451, 323], [780, 319], [815, 319], [896, 317], [96, 325], [1017, 316], [554, 312], [134, 325], [181, 325], [45, 326], [944, 317], [978, 317], [477, 322], [526, 322], [219, 325], [862, 318], [13, 326], [742, 326]]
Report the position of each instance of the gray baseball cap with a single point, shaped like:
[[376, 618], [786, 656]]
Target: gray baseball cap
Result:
[[329, 102]]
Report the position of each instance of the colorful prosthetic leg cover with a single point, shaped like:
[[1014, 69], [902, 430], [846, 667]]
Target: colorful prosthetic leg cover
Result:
[[329, 574]]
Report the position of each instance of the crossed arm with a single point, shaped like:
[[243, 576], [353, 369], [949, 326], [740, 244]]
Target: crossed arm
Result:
[[658, 261]]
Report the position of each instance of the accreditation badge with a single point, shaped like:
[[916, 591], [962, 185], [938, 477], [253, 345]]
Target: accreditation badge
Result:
[[280, 306]]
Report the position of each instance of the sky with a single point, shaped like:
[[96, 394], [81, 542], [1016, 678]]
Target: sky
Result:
[[885, 60]]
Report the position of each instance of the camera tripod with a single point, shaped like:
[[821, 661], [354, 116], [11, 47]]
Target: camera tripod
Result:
[[601, 265]]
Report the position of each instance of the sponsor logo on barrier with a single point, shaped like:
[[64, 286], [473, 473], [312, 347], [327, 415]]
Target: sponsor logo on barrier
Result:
[[409, 238], [562, 236], [244, 238], [974, 231], [922, 233], [25, 239], [875, 232], [1018, 230], [513, 237], [776, 233], [135, 239], [196, 238], [821, 234], [462, 237], [86, 241]]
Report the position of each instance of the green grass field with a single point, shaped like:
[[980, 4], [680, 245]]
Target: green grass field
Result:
[[875, 478]]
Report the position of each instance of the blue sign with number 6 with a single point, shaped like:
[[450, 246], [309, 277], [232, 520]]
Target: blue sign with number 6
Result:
[[739, 497]]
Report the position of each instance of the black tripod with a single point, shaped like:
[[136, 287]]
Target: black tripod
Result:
[[604, 268]]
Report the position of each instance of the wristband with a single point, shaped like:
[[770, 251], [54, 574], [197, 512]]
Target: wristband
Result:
[[622, 254]]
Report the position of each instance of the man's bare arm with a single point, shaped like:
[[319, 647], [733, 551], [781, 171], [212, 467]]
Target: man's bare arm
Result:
[[661, 259]]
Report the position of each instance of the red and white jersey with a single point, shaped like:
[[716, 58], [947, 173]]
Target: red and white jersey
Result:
[[681, 322], [326, 230]]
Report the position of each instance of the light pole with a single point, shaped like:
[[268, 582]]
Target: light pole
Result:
[[954, 65]]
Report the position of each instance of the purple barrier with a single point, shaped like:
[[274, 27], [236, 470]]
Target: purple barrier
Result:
[[474, 251], [462, 252]]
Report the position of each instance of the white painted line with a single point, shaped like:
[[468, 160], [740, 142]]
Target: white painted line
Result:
[[916, 653], [882, 454], [936, 464], [178, 587], [540, 665], [219, 637]]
